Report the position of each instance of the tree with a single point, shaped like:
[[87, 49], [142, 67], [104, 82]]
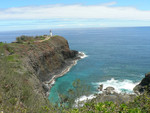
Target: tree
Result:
[[78, 89]]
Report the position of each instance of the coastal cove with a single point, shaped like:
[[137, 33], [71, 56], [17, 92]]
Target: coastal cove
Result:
[[71, 62], [116, 56]]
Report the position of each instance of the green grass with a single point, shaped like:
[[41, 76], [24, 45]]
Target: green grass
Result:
[[1, 44], [12, 58], [17, 94]]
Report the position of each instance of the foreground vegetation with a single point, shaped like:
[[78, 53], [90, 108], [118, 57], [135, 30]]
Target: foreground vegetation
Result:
[[17, 93], [141, 104]]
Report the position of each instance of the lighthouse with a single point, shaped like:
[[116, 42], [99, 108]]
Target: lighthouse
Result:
[[51, 33]]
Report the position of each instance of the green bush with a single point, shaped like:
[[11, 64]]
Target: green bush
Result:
[[78, 89], [1, 43], [24, 38]]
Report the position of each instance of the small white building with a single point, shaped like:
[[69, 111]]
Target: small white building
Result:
[[51, 33]]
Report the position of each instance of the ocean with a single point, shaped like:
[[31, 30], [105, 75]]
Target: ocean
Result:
[[117, 57]]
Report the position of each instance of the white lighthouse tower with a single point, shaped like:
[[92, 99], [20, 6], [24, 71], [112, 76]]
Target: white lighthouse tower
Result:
[[51, 33]]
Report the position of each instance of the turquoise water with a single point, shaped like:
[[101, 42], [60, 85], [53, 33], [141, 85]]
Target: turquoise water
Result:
[[117, 57]]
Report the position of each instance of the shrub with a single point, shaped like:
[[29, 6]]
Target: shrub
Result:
[[24, 38], [1, 43]]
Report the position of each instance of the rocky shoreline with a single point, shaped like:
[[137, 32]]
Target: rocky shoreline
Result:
[[47, 85], [109, 93]]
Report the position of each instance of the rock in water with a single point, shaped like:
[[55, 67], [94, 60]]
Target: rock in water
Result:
[[110, 90], [144, 85], [100, 87]]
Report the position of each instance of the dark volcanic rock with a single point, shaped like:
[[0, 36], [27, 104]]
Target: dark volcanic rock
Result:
[[70, 54], [46, 88], [143, 85], [48, 58], [109, 90], [100, 87]]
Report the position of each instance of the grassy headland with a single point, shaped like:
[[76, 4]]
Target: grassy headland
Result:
[[26, 64]]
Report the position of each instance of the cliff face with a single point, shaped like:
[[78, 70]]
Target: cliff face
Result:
[[49, 57], [25, 66]]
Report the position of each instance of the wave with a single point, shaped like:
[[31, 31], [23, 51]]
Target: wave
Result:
[[80, 101], [122, 86], [82, 55], [84, 98]]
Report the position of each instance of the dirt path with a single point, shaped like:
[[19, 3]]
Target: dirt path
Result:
[[47, 38]]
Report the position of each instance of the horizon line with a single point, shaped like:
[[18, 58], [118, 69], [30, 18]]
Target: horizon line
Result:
[[75, 28]]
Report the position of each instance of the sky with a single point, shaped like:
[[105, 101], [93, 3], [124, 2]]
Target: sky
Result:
[[50, 14]]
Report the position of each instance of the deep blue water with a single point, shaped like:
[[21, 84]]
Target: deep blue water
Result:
[[118, 53]]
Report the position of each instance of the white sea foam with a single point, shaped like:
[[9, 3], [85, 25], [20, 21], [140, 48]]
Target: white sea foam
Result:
[[124, 86], [53, 82], [84, 98], [80, 101], [82, 55]]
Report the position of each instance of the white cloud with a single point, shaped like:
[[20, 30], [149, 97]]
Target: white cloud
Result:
[[103, 11], [109, 4]]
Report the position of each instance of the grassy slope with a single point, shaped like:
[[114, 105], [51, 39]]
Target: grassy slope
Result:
[[16, 82], [17, 91]]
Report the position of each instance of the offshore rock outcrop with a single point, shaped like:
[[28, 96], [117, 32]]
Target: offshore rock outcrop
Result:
[[144, 85], [109, 94]]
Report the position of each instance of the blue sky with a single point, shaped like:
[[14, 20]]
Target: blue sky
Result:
[[45, 14]]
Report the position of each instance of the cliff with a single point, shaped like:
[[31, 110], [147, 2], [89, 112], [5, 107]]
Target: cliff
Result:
[[49, 58], [26, 66]]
